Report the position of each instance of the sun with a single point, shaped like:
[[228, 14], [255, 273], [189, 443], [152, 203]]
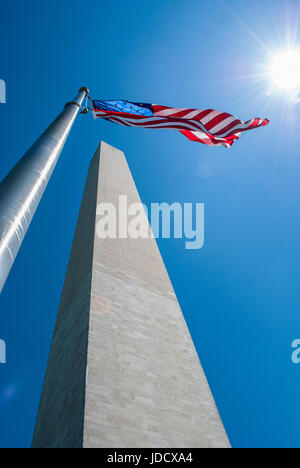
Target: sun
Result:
[[285, 69]]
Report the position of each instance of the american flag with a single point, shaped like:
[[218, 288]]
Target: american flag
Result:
[[208, 126]]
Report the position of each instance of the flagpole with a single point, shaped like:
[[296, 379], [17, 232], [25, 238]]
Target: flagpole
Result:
[[22, 189]]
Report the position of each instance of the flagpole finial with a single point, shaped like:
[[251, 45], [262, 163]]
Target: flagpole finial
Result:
[[84, 88]]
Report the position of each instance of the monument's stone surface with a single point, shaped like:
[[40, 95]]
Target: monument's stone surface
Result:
[[123, 370]]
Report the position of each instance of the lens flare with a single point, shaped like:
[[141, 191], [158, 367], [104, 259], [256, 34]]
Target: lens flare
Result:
[[285, 70]]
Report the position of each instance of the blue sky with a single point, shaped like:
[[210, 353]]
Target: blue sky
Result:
[[240, 294]]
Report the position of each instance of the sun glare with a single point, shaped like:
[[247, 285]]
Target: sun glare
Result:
[[285, 69]]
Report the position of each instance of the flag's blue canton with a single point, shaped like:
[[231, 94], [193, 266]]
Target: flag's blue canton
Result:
[[125, 106]]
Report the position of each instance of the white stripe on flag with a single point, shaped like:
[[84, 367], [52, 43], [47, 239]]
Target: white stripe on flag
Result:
[[210, 116], [223, 124], [193, 114], [166, 112]]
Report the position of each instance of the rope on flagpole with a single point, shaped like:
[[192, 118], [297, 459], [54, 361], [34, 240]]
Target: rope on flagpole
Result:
[[85, 110]]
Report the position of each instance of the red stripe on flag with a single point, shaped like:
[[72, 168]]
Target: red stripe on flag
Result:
[[228, 127], [218, 119]]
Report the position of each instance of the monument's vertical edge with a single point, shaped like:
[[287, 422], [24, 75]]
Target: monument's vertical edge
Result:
[[61, 413]]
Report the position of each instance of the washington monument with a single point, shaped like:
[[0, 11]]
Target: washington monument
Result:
[[123, 370]]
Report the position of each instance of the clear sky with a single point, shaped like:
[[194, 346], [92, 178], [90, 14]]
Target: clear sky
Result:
[[240, 294]]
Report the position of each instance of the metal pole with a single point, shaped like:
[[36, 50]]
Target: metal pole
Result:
[[23, 188]]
